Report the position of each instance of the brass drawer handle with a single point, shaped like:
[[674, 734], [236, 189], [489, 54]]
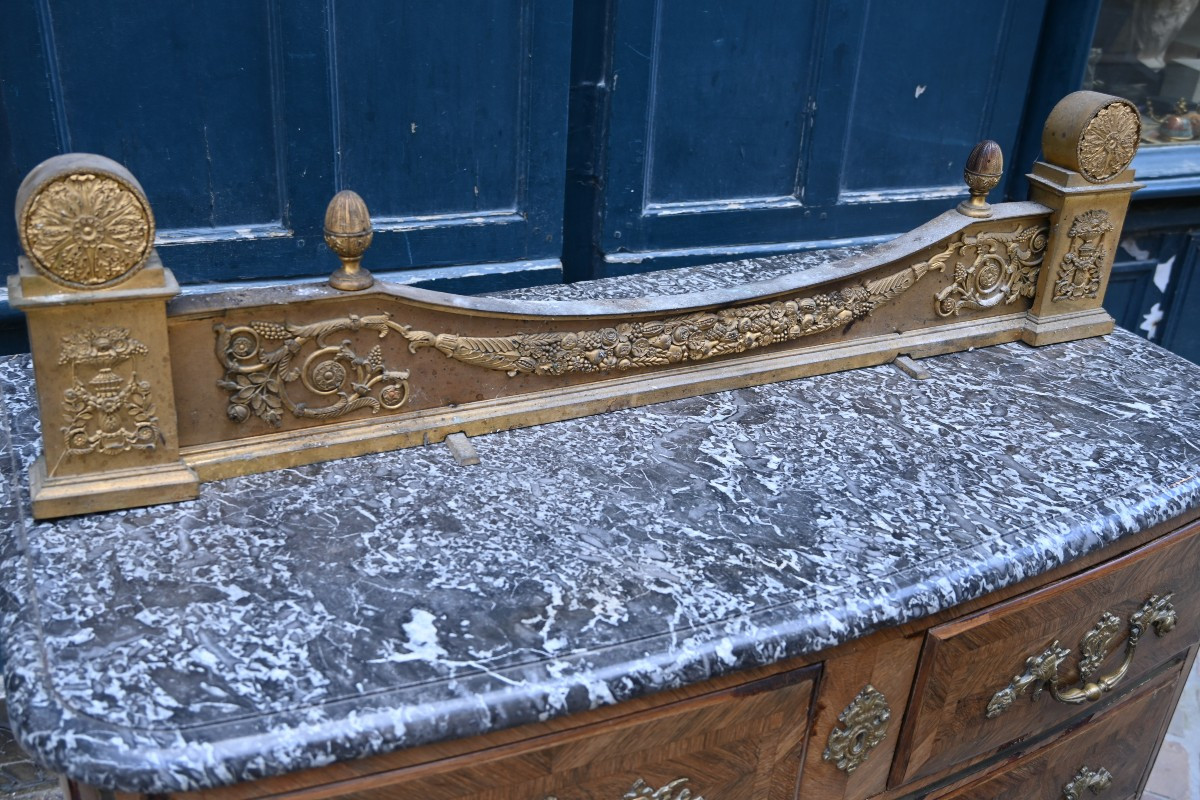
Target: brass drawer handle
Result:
[[640, 790], [1041, 669], [1096, 780]]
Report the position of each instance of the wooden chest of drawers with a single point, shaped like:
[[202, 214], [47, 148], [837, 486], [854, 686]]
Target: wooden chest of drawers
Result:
[[960, 705], [740, 743], [1103, 753], [992, 678]]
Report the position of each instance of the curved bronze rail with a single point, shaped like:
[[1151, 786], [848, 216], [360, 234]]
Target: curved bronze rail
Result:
[[283, 375]]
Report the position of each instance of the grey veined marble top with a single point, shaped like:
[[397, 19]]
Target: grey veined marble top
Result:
[[291, 619]]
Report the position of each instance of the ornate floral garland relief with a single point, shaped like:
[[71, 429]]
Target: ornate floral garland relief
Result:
[[262, 359]]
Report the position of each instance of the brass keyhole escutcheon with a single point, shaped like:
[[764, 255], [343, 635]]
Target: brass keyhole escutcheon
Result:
[[865, 723]]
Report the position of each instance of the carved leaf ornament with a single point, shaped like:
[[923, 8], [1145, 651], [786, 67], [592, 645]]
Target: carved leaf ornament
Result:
[[263, 359], [1005, 267], [864, 725], [690, 337], [1078, 275]]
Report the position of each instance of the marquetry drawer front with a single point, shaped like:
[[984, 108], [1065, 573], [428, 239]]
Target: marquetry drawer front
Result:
[[1017, 669], [745, 743], [1105, 758]]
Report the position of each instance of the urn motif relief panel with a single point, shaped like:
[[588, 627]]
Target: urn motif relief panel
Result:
[[107, 409]]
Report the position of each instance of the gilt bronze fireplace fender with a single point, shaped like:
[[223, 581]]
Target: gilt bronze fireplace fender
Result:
[[143, 394]]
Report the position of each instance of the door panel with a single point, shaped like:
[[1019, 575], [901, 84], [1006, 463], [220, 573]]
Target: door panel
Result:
[[709, 108], [1182, 332], [452, 126], [702, 128], [727, 106], [923, 99], [241, 119], [186, 95], [1146, 269], [773, 126], [451, 138], [207, 62]]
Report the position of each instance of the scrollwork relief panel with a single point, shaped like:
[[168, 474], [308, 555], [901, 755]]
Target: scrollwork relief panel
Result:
[[263, 360], [268, 364], [1004, 267]]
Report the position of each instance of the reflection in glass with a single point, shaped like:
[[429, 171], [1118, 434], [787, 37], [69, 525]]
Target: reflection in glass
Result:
[[1149, 52]]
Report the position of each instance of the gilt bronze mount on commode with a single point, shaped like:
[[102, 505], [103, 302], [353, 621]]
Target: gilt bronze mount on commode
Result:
[[144, 393]]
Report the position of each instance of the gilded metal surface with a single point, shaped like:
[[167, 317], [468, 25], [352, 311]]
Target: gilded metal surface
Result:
[[691, 337], [86, 224], [1157, 613], [87, 230], [1041, 671], [1097, 644], [110, 411], [263, 358], [675, 790], [1093, 780], [985, 167], [1079, 272], [348, 233], [979, 185], [1093, 134], [864, 726], [1005, 267], [1109, 141], [257, 377]]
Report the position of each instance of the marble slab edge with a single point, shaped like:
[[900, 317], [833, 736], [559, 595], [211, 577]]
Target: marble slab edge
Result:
[[124, 759]]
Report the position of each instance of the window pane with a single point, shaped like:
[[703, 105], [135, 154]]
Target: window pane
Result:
[[1149, 52]]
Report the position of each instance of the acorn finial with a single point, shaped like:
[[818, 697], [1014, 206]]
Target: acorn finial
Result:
[[984, 167], [348, 233]]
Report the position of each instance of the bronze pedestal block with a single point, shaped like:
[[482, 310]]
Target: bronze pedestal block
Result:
[[141, 397], [95, 296]]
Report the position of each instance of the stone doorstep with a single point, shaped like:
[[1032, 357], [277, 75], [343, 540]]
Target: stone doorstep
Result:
[[1171, 776], [1176, 773], [21, 778]]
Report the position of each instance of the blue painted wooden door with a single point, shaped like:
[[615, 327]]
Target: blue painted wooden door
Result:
[[773, 125], [241, 119], [678, 130]]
